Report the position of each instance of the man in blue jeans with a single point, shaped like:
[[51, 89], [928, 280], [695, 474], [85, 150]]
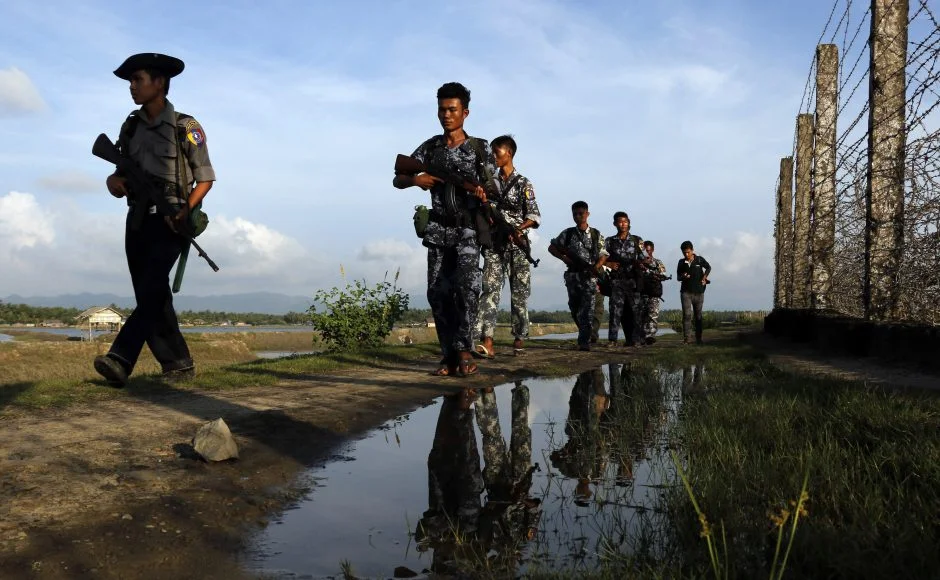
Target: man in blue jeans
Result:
[[692, 272]]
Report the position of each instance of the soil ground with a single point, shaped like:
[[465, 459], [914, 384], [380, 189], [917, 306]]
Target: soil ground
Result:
[[113, 491]]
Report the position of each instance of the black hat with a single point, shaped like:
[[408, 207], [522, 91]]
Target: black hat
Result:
[[171, 65]]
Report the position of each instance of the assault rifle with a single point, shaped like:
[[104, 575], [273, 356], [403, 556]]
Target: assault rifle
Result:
[[143, 191], [578, 264], [406, 165]]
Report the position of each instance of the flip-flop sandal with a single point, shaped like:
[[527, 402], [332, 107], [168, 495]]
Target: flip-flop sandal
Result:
[[442, 371], [466, 368], [518, 352], [480, 351]]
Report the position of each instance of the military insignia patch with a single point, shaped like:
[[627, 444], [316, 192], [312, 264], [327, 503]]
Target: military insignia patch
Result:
[[194, 134]]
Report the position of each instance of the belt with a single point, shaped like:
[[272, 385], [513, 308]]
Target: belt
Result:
[[449, 221]]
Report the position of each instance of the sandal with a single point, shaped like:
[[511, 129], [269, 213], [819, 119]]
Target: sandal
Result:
[[466, 367], [444, 369], [517, 348], [480, 351]]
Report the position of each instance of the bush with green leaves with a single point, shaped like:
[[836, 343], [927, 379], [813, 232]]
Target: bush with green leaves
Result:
[[358, 316]]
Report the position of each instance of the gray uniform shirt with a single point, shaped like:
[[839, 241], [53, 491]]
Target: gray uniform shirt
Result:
[[581, 243], [155, 146]]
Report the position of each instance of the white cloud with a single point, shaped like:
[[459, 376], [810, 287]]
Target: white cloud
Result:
[[18, 94], [23, 224]]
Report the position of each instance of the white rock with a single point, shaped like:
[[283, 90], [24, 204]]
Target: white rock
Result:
[[214, 442]]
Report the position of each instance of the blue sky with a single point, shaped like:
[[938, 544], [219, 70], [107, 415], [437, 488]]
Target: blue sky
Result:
[[677, 112]]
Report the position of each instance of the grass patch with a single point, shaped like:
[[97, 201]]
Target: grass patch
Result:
[[749, 432], [40, 374]]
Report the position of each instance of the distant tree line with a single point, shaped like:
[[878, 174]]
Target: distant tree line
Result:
[[25, 314]]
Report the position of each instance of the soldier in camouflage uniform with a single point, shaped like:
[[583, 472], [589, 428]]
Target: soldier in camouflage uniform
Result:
[[454, 280], [651, 291], [625, 251], [581, 248], [517, 204], [455, 482], [510, 516], [171, 148], [583, 456]]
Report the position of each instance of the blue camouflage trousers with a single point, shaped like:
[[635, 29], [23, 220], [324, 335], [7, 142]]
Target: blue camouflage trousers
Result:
[[581, 290], [454, 283], [622, 310], [497, 266]]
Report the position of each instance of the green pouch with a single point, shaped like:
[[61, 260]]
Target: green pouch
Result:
[[198, 220], [421, 218]]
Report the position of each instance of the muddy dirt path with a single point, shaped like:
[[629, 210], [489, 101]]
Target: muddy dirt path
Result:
[[109, 491]]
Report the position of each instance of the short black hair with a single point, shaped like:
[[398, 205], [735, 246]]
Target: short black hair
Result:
[[579, 205], [505, 141], [454, 91], [686, 245], [649, 243], [621, 214], [156, 73]]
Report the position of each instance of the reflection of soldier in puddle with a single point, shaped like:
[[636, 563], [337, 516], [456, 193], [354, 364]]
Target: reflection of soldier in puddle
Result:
[[582, 456], [454, 483], [510, 516], [636, 411], [692, 378]]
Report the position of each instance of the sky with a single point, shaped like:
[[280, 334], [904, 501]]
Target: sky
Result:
[[677, 112]]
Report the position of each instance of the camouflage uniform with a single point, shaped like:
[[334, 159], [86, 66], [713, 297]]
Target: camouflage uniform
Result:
[[510, 517], [583, 456], [454, 280], [654, 272], [517, 204], [454, 478], [624, 299], [581, 286], [598, 316]]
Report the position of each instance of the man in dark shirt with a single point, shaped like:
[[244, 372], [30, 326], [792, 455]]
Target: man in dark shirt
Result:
[[692, 272], [454, 279]]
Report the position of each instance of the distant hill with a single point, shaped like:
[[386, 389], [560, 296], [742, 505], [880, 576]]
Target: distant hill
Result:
[[261, 302]]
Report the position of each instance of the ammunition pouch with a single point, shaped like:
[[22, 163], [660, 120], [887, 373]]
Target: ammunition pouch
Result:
[[421, 218]]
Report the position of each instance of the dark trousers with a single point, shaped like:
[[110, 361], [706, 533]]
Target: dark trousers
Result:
[[692, 303], [454, 284], [622, 309], [581, 290], [151, 252]]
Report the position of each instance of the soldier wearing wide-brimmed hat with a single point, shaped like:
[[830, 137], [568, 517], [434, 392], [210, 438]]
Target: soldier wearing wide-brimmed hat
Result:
[[171, 148]]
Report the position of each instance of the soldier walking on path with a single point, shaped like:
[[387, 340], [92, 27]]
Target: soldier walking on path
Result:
[[171, 148], [454, 280], [581, 248], [625, 251], [518, 206], [651, 291]]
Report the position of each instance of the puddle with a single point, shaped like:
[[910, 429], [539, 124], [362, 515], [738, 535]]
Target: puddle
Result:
[[546, 473], [5, 338], [275, 354]]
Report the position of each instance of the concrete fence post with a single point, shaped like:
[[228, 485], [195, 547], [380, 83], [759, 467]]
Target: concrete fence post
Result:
[[783, 234], [800, 276], [824, 174], [887, 138]]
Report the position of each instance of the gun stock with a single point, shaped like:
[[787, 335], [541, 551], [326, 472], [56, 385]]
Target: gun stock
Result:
[[406, 165]]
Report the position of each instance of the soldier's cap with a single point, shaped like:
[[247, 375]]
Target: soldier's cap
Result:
[[171, 65]]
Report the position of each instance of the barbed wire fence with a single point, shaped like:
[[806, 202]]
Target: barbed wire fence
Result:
[[882, 258]]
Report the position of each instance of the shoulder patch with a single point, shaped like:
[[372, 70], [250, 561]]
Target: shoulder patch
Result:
[[195, 133]]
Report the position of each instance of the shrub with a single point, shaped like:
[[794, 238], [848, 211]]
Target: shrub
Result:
[[358, 316]]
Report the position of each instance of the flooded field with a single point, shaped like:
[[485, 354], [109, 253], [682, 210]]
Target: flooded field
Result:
[[540, 474]]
